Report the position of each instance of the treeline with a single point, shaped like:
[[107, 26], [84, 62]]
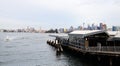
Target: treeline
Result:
[[52, 31]]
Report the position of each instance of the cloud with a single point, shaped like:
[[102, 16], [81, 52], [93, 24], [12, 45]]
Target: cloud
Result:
[[9, 23], [59, 12]]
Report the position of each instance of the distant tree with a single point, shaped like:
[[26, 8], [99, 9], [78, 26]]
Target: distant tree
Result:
[[56, 30], [50, 31]]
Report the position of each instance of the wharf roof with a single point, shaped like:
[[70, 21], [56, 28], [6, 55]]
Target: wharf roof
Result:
[[84, 33], [61, 35], [112, 33], [117, 36]]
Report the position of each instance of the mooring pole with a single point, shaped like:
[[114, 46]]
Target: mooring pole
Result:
[[110, 61], [98, 58]]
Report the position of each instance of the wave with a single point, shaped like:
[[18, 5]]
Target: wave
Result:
[[11, 38], [8, 38]]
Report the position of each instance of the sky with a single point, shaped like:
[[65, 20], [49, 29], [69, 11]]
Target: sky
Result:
[[47, 14]]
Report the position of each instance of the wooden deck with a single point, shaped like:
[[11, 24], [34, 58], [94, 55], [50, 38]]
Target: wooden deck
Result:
[[107, 51]]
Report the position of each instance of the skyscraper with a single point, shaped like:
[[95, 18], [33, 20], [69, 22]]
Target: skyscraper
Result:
[[116, 28], [101, 26]]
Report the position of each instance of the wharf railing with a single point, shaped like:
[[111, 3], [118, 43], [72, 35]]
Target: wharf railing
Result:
[[104, 48]]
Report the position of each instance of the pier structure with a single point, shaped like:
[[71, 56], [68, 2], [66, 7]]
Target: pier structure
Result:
[[92, 42]]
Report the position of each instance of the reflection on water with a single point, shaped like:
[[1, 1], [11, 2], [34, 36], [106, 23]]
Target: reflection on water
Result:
[[58, 53], [30, 49]]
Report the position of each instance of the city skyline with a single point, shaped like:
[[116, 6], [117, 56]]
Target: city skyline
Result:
[[58, 13], [93, 26]]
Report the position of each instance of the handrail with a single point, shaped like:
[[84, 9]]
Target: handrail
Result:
[[105, 48]]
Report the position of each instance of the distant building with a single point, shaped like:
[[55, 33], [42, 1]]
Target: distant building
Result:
[[1, 30], [65, 30], [79, 28], [116, 28], [61, 30], [109, 29], [93, 26], [103, 26], [71, 28], [89, 28]]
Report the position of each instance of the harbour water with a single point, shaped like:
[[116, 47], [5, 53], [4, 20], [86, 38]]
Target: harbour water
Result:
[[30, 49]]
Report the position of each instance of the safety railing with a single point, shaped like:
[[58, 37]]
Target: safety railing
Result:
[[104, 48]]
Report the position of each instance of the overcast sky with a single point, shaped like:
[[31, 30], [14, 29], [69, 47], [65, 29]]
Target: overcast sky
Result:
[[58, 13]]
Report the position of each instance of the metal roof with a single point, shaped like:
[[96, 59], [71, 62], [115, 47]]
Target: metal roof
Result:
[[84, 33], [117, 35], [58, 35], [112, 33]]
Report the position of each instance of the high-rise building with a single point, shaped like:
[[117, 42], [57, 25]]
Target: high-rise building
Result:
[[93, 26], [116, 28], [89, 28], [101, 26], [79, 28], [104, 27]]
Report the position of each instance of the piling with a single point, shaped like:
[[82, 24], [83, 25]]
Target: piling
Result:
[[56, 45]]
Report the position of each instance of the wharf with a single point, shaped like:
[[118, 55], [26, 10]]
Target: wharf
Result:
[[95, 42], [96, 52]]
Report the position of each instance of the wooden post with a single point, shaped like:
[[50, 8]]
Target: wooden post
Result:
[[98, 58], [110, 61], [114, 46], [86, 44], [56, 41], [106, 46]]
